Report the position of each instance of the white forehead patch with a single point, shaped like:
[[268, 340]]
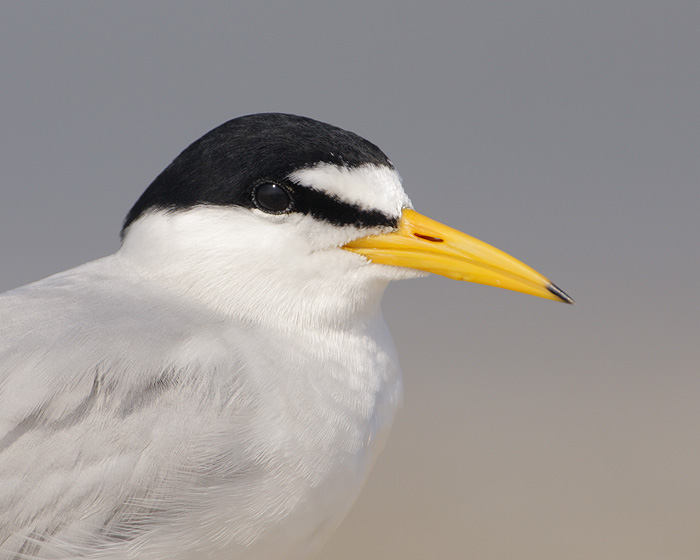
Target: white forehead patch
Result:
[[370, 187]]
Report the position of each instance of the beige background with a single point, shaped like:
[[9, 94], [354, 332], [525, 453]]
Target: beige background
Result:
[[564, 132]]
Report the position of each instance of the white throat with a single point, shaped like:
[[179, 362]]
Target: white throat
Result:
[[262, 269]]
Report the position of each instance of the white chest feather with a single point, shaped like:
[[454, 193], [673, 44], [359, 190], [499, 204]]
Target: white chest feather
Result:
[[277, 464]]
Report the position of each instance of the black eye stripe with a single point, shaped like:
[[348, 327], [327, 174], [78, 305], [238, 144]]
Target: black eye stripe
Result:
[[331, 209]]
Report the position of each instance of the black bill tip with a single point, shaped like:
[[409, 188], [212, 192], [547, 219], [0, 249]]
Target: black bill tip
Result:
[[561, 294]]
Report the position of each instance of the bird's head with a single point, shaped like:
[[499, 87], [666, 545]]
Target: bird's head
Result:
[[278, 206]]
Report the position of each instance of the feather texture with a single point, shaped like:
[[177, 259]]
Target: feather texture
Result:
[[164, 403]]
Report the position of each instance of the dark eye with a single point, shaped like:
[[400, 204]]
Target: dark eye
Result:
[[272, 198]]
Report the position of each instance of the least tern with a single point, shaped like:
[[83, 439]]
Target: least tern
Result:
[[220, 386]]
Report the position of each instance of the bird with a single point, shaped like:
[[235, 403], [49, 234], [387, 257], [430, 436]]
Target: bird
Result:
[[220, 386]]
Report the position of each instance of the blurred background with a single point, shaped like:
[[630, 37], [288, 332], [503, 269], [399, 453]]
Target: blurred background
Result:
[[566, 133]]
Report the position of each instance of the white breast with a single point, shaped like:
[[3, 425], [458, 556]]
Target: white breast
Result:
[[311, 434]]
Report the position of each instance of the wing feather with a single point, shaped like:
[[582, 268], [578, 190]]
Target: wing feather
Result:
[[95, 409]]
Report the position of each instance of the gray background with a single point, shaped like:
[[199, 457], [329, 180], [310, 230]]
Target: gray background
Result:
[[566, 133]]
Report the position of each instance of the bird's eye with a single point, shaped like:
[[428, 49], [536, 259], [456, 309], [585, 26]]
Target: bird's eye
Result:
[[272, 198]]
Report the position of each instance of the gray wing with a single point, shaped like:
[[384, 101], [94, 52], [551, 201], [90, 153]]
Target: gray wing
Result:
[[109, 392]]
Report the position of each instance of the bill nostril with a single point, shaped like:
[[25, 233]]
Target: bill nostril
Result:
[[428, 238]]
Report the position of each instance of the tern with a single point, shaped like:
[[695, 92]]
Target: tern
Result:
[[220, 386]]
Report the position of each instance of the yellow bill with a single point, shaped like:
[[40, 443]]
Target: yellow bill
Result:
[[424, 244]]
